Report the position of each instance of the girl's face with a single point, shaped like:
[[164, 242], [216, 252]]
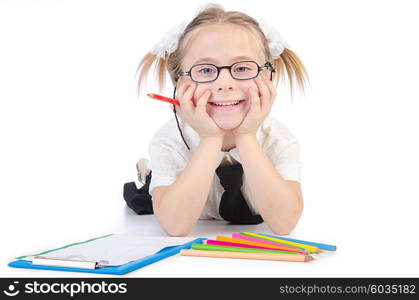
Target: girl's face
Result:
[[223, 45]]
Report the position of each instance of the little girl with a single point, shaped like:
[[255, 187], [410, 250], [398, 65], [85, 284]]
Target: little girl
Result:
[[225, 158]]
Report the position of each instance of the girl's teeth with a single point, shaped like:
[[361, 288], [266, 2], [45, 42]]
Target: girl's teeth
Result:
[[226, 104]]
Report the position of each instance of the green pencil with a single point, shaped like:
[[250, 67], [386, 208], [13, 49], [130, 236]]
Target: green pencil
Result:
[[238, 249]]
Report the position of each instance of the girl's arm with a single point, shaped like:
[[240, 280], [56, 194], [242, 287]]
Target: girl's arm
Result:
[[279, 201], [180, 206]]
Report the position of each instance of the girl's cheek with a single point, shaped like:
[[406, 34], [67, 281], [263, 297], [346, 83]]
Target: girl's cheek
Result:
[[198, 93], [265, 74], [253, 85]]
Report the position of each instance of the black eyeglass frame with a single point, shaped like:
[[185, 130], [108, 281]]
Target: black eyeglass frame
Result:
[[267, 66]]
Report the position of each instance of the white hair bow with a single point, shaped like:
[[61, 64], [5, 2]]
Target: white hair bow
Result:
[[170, 40], [277, 43]]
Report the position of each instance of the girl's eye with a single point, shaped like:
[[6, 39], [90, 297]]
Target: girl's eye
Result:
[[241, 69], [206, 71]]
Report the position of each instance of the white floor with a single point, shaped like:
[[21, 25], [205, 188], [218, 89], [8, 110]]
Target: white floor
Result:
[[360, 252]]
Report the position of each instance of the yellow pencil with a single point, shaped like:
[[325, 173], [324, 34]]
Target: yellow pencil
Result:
[[245, 255], [312, 249], [233, 240]]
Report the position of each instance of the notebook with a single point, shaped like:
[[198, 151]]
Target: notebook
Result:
[[109, 254]]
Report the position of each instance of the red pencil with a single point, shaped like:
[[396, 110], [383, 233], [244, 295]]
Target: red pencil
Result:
[[159, 97]]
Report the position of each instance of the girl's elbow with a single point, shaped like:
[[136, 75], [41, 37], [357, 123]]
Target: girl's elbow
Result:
[[172, 226], [285, 228], [282, 230], [176, 231]]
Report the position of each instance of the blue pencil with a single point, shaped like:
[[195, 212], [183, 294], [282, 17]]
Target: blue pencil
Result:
[[318, 245]]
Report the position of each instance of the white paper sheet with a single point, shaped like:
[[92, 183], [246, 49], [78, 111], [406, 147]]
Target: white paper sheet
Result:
[[116, 249]]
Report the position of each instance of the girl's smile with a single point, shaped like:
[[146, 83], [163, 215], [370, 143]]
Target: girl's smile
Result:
[[226, 105]]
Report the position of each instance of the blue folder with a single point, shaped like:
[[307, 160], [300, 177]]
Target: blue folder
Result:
[[114, 270]]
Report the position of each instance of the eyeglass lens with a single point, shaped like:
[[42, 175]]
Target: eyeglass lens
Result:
[[240, 70]]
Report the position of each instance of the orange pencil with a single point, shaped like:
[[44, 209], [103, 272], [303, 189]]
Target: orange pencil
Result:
[[163, 98], [261, 256]]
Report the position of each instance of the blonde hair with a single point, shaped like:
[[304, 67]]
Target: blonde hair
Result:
[[288, 62]]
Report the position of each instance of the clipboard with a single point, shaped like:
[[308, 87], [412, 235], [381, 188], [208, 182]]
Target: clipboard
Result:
[[112, 270]]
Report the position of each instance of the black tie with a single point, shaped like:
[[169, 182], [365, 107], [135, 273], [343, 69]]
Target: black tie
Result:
[[233, 206]]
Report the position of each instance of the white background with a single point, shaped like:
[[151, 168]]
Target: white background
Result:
[[72, 130]]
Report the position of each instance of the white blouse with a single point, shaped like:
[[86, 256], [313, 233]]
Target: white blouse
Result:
[[169, 156]]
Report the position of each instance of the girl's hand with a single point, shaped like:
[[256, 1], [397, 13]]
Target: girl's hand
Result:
[[260, 106], [196, 115]]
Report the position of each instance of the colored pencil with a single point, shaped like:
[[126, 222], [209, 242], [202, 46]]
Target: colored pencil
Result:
[[232, 240], [241, 255], [327, 247], [163, 98], [238, 249], [259, 240], [221, 243], [312, 249]]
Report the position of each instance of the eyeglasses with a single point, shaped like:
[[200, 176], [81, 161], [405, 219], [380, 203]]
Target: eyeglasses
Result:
[[242, 70]]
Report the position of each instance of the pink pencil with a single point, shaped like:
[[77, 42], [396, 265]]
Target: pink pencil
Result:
[[253, 239], [221, 243]]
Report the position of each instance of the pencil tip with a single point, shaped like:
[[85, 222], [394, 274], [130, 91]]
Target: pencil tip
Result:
[[310, 258]]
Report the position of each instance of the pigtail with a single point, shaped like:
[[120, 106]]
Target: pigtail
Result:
[[144, 67], [161, 67], [291, 64]]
